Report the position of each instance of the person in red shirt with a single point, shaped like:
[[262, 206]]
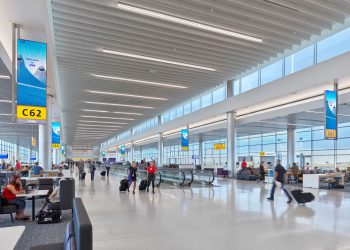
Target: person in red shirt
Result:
[[10, 191], [244, 164], [151, 174], [18, 167]]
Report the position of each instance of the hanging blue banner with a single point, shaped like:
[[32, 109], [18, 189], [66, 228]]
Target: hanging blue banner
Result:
[[122, 150], [331, 113], [56, 135], [4, 156], [31, 81], [184, 140]]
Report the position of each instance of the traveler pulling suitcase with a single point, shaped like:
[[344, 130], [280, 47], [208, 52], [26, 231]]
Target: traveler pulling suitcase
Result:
[[302, 197], [103, 173], [143, 185], [124, 185]]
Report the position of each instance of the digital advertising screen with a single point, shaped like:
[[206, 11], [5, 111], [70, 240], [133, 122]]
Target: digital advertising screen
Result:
[[56, 135], [122, 150], [331, 112], [184, 140], [31, 80]]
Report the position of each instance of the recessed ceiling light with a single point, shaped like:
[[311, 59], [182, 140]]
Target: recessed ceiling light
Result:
[[140, 81], [106, 117], [119, 53], [119, 105], [95, 125], [9, 101], [189, 23], [115, 112], [4, 77], [127, 95]]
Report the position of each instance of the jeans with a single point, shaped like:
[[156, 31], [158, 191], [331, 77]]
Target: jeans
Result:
[[92, 175], [283, 188], [107, 169], [20, 203]]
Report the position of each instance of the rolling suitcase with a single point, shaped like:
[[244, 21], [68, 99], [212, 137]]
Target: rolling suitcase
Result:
[[103, 173], [124, 185], [143, 185], [302, 197], [83, 176]]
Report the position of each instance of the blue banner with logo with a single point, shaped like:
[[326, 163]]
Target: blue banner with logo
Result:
[[122, 150], [4, 156], [56, 135], [184, 140], [331, 113], [31, 80]]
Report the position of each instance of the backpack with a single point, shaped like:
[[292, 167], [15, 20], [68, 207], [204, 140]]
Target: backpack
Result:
[[46, 217]]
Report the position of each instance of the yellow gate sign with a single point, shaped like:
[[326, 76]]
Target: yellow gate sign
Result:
[[219, 146], [56, 145], [31, 112]]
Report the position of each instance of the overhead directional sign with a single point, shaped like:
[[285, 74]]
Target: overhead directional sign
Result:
[[31, 81]]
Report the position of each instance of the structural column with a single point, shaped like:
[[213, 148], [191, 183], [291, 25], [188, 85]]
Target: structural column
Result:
[[160, 149], [132, 152], [45, 137], [200, 156], [290, 146], [17, 151], [231, 143]]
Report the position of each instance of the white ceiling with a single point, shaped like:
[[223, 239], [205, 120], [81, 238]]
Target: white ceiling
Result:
[[83, 28]]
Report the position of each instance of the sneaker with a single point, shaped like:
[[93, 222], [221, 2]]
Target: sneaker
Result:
[[289, 201], [147, 190], [270, 199]]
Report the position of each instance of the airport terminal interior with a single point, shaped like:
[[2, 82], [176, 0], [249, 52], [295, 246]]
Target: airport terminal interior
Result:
[[175, 124]]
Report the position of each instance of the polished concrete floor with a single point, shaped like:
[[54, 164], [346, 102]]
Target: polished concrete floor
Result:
[[234, 215]]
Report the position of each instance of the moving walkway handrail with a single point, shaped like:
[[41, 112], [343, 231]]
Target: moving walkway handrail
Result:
[[166, 178], [207, 173]]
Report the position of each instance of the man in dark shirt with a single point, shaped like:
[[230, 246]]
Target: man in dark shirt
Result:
[[280, 175]]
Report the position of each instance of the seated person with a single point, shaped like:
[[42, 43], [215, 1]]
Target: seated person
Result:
[[54, 198], [10, 191], [36, 169]]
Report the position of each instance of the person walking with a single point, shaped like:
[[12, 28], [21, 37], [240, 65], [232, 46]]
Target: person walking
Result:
[[108, 167], [80, 166], [92, 169], [280, 177], [132, 176], [18, 167], [151, 174]]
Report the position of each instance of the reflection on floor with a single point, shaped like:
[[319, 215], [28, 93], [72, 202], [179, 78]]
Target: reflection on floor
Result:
[[232, 215]]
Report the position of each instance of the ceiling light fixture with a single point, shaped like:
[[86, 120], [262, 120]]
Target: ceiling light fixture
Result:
[[105, 111], [140, 81], [106, 117], [95, 125], [119, 53], [119, 123], [127, 95], [6, 114], [9, 101], [189, 23], [119, 105], [4, 77], [95, 129]]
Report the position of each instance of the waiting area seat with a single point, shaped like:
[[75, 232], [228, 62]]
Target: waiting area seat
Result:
[[78, 232], [67, 195], [247, 174], [7, 208]]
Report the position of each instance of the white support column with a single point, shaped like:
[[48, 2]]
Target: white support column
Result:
[[160, 149], [132, 152], [200, 156], [45, 137], [290, 146], [17, 151], [231, 143]]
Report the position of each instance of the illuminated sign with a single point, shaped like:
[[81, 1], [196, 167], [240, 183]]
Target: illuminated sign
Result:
[[219, 146], [122, 150], [31, 81], [331, 113], [56, 135], [184, 140]]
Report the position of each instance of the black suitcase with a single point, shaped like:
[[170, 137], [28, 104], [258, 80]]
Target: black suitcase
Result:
[[302, 197], [124, 185], [103, 173], [83, 176], [143, 185]]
